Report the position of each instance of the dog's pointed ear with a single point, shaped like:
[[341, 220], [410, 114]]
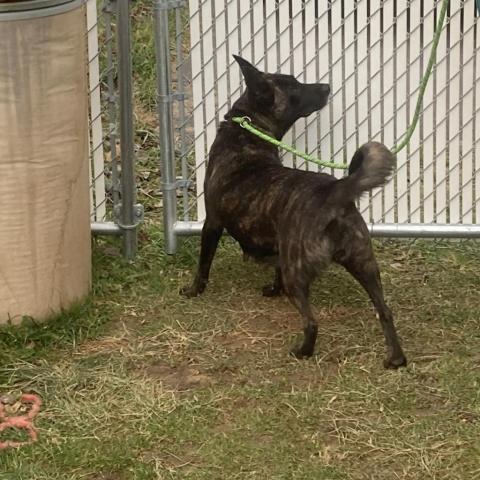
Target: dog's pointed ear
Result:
[[258, 86]]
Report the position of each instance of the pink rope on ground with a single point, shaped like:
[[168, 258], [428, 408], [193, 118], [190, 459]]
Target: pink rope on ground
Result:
[[23, 422]]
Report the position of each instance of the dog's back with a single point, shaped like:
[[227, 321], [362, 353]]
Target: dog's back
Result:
[[257, 199]]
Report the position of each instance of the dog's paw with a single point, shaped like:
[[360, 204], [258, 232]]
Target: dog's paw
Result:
[[392, 363], [189, 291], [301, 352], [271, 291]]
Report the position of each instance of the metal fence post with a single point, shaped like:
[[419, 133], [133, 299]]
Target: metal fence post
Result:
[[128, 214], [112, 99], [167, 147]]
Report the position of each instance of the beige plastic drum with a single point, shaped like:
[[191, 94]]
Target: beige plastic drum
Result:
[[45, 258]]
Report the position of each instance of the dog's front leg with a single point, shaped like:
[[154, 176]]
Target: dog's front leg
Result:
[[209, 242], [297, 290]]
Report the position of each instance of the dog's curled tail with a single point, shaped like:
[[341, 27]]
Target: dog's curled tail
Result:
[[371, 166]]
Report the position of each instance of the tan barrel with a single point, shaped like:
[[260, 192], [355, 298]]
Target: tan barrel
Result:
[[45, 257]]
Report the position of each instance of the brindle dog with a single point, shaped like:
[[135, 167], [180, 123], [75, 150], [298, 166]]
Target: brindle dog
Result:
[[300, 220]]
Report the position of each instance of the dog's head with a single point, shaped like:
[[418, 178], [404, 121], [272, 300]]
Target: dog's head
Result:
[[280, 99]]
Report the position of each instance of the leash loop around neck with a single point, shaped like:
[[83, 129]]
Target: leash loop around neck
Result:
[[246, 123]]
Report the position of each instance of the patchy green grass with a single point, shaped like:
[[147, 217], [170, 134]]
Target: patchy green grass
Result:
[[141, 383]]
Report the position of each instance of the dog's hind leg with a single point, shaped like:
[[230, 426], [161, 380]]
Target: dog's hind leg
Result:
[[297, 290], [209, 242], [275, 289], [366, 272]]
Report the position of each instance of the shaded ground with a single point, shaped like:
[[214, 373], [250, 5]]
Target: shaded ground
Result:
[[143, 384]]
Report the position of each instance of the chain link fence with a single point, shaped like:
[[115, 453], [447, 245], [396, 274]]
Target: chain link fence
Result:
[[373, 54], [112, 188]]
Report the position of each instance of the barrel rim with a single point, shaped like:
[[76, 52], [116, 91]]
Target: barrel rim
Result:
[[25, 9]]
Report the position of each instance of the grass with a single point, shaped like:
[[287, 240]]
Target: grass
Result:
[[141, 383]]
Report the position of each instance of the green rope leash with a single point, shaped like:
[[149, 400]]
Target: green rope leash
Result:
[[245, 122], [423, 83]]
